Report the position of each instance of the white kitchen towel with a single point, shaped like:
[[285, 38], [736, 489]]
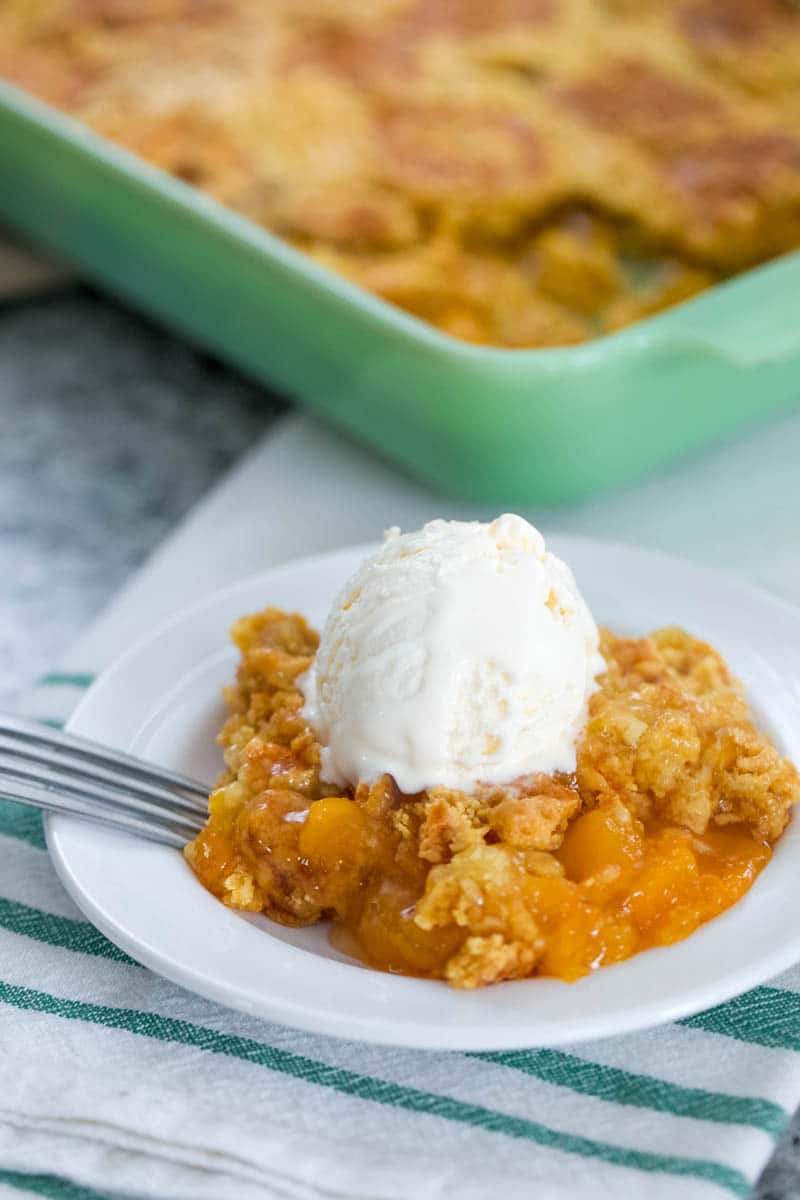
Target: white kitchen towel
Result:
[[115, 1083]]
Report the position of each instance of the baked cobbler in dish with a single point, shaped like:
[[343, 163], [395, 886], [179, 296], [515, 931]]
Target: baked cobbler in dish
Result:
[[663, 818], [516, 172]]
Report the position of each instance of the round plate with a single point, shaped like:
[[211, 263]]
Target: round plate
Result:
[[161, 700]]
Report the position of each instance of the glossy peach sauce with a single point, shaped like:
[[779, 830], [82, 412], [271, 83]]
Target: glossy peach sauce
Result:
[[625, 888]]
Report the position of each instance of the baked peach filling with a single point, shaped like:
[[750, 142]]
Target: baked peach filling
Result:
[[668, 819]]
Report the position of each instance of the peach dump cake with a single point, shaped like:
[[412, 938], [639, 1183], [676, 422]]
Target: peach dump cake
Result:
[[472, 783], [516, 172]]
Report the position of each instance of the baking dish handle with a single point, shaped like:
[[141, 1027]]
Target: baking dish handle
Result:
[[752, 321]]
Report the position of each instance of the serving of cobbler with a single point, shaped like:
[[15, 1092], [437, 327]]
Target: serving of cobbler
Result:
[[670, 814]]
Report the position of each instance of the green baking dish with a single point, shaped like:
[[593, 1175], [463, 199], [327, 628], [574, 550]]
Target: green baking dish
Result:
[[508, 427]]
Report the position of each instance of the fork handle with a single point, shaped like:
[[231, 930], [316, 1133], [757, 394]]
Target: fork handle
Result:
[[39, 795]]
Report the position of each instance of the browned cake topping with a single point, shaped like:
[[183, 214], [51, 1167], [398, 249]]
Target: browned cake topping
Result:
[[519, 173], [716, 24], [644, 103]]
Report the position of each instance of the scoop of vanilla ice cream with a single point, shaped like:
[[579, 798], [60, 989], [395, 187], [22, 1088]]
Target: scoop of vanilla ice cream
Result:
[[459, 654]]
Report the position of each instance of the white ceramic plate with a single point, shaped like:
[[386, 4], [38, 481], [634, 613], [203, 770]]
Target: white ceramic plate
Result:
[[161, 700]]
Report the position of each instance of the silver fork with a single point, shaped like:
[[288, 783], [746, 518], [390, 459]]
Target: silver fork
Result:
[[62, 773]]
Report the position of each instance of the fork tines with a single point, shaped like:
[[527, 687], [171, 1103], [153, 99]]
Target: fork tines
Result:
[[63, 773]]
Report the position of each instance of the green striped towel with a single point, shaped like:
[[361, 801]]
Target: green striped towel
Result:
[[116, 1083]]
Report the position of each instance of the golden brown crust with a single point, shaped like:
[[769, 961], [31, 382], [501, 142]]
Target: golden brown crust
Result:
[[534, 814], [671, 734], [518, 173], [751, 43]]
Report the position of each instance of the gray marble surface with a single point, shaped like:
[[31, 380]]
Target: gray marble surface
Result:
[[109, 431]]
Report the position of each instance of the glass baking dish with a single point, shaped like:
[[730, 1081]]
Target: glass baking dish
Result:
[[507, 427]]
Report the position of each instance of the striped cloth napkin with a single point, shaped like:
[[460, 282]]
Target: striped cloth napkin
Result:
[[115, 1083]]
